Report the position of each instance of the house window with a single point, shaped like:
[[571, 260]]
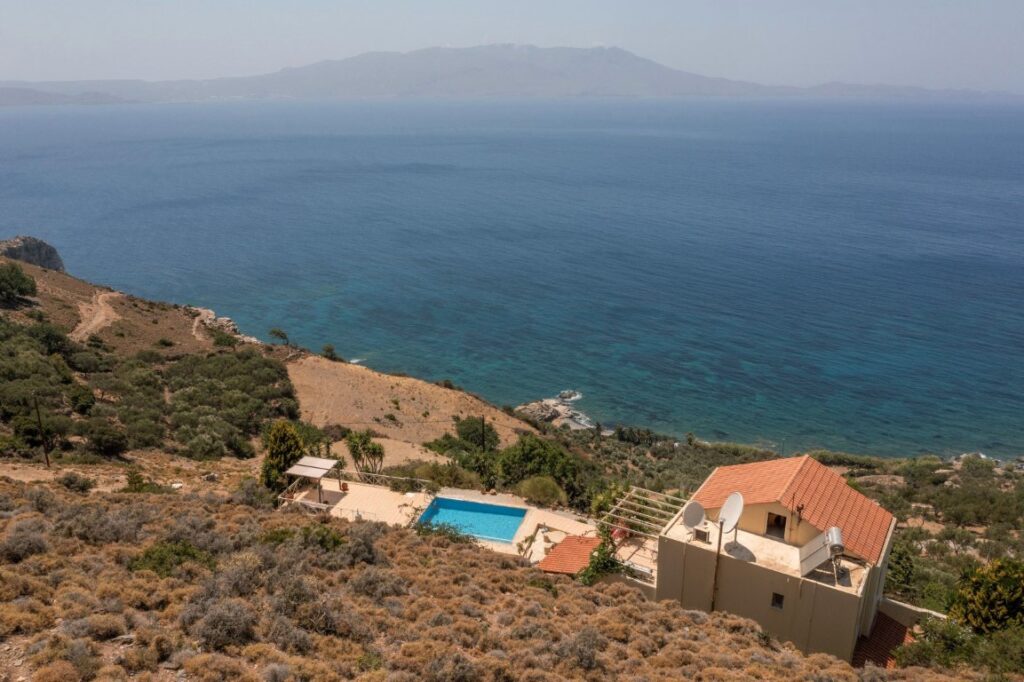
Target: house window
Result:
[[702, 536], [777, 600], [776, 526]]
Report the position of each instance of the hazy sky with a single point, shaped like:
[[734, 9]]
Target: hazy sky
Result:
[[934, 43]]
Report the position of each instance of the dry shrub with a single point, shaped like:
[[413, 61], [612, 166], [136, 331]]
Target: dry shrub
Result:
[[452, 667], [81, 654], [61, 671], [24, 539], [93, 524], [111, 673], [287, 637], [13, 585], [377, 583], [218, 668], [24, 616], [99, 627], [227, 623]]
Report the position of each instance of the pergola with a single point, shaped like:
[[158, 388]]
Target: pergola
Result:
[[642, 512], [314, 469]]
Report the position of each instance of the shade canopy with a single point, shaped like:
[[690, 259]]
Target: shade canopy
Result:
[[312, 467]]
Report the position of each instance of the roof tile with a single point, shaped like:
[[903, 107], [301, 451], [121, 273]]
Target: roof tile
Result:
[[570, 556], [806, 487]]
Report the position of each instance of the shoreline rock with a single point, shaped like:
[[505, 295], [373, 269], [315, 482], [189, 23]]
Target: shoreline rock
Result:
[[557, 411], [32, 251]]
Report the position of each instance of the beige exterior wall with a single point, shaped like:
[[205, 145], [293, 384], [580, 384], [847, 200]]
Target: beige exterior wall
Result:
[[814, 617], [755, 520], [874, 586]]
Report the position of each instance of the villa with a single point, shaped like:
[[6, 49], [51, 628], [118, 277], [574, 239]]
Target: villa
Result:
[[783, 565], [804, 556]]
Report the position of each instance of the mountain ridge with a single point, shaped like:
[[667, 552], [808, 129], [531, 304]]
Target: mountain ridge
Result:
[[502, 70]]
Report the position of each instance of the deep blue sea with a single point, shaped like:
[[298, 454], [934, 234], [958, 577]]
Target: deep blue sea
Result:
[[792, 273]]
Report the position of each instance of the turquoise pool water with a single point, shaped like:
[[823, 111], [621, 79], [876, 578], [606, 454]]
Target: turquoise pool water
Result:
[[485, 521]]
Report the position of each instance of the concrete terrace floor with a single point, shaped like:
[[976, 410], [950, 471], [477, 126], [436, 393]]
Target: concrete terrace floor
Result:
[[369, 502], [540, 530]]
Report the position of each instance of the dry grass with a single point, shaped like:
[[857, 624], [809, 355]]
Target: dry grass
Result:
[[141, 324], [290, 597], [351, 395]]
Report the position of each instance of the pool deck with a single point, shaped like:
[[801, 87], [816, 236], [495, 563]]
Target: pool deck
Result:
[[369, 502], [548, 527], [540, 530]]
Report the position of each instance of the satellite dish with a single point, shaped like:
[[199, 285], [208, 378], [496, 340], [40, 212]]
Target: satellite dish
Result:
[[731, 511], [693, 514]]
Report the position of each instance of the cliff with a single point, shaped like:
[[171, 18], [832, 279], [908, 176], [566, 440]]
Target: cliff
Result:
[[33, 251]]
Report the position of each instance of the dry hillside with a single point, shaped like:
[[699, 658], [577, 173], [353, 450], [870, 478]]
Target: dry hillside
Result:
[[115, 585], [342, 393]]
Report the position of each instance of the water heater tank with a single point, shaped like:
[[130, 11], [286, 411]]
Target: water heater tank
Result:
[[834, 538]]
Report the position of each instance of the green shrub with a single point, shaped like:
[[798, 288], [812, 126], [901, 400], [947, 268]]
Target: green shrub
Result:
[[164, 558], [990, 597], [14, 284], [444, 530], [137, 483], [542, 490], [284, 448], [104, 438], [479, 432]]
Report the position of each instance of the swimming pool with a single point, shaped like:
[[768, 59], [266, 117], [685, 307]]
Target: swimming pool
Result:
[[485, 521]]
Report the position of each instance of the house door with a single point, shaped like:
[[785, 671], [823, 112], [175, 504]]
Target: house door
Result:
[[776, 526]]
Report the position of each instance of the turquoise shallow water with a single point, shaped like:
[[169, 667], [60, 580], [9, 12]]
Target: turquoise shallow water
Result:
[[487, 521], [847, 275]]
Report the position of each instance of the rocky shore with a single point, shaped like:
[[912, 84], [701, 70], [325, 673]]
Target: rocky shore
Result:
[[557, 411]]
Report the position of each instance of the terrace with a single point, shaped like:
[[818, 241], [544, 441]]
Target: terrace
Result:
[[769, 552]]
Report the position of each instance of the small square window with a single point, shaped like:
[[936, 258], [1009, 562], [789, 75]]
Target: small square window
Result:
[[777, 600], [702, 536]]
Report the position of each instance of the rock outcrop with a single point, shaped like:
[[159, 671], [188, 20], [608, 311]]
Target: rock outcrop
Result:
[[33, 251]]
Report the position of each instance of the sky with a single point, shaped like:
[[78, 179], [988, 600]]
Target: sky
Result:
[[975, 44]]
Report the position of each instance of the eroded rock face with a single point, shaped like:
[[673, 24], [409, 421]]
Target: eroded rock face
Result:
[[33, 251], [539, 410]]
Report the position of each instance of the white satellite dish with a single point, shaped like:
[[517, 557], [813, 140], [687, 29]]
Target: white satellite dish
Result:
[[731, 511], [693, 514]]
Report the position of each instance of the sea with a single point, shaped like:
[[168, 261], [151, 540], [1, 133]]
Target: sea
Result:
[[790, 273]]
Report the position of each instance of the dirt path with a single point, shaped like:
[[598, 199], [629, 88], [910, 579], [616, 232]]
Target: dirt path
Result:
[[96, 314], [204, 317]]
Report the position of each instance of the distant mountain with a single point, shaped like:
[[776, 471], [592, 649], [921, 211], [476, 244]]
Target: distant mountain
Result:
[[487, 71], [18, 96]]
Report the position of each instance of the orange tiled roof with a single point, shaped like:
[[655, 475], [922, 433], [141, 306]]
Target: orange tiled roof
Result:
[[570, 556], [877, 648], [805, 486]]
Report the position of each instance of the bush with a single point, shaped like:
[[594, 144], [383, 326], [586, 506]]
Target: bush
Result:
[[76, 482], [14, 284], [104, 438], [137, 483], [24, 539], [252, 494], [479, 432], [542, 490], [584, 647], [378, 583], [164, 558], [443, 530], [284, 448], [96, 525], [990, 597], [227, 623]]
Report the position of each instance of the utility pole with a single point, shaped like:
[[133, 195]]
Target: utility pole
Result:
[[42, 434], [483, 433]]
